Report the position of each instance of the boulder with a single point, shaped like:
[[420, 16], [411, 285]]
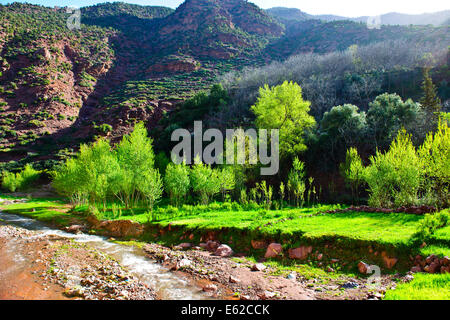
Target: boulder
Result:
[[258, 267], [416, 269], [445, 269], [300, 253], [212, 245], [445, 261], [223, 251], [363, 267], [76, 229], [234, 280], [274, 250], [210, 288], [183, 264], [434, 267]]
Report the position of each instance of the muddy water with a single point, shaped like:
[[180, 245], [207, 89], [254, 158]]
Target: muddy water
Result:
[[168, 285]]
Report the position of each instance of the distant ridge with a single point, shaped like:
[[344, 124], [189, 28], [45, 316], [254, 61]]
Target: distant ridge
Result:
[[393, 18]]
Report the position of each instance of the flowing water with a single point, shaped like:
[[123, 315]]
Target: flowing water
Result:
[[168, 285]]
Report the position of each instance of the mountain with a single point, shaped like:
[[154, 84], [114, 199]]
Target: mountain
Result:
[[128, 63], [289, 14], [393, 18]]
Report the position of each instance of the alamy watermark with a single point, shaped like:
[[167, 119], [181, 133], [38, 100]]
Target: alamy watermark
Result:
[[74, 21], [374, 22], [241, 147]]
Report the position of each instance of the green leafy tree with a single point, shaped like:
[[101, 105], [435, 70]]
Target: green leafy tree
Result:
[[176, 182], [151, 188], [353, 171], [388, 114], [282, 107], [136, 158], [205, 181], [394, 177], [227, 180], [435, 158]]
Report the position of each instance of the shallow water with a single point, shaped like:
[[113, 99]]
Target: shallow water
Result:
[[168, 285]]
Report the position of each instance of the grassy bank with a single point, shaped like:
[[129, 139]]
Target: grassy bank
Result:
[[347, 236]]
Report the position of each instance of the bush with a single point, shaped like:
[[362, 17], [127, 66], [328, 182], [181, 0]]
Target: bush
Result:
[[394, 177], [20, 181], [176, 182], [205, 181], [435, 157], [353, 171], [430, 224]]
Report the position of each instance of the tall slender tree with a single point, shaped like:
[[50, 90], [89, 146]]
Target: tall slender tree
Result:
[[430, 102]]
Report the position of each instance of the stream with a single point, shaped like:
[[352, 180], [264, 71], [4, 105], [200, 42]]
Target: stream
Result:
[[168, 285]]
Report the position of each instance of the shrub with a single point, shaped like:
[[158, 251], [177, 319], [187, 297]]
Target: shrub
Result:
[[21, 180], [353, 171], [435, 158], [394, 177], [205, 181], [176, 182], [431, 223], [296, 184]]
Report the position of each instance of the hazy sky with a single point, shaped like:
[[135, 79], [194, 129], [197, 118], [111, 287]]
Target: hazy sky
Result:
[[348, 8]]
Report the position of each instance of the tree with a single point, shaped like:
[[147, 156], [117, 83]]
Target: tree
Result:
[[296, 181], [282, 107], [227, 180], [176, 182], [136, 158], [353, 171], [435, 158], [388, 114], [205, 181], [151, 188], [342, 127], [394, 177], [430, 102]]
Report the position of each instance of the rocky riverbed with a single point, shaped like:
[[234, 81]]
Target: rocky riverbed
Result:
[[238, 277], [36, 266]]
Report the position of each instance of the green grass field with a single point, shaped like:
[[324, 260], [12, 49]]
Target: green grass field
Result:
[[423, 287], [306, 224]]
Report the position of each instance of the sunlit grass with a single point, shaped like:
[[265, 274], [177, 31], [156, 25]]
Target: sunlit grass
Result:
[[423, 287]]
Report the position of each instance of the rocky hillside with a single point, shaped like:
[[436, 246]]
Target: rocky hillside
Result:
[[129, 63]]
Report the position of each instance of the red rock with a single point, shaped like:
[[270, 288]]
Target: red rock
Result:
[[434, 267], [445, 261], [430, 259], [212, 245], [416, 269], [274, 250], [223, 251], [300, 253], [258, 267], [445, 269], [210, 288], [363, 267]]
